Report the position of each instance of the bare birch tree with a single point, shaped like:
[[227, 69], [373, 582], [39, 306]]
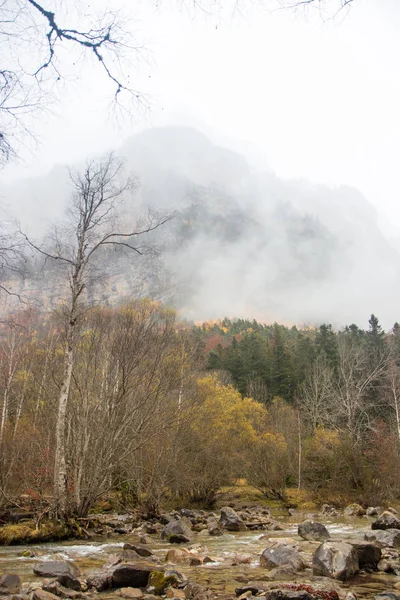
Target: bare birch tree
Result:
[[94, 225]]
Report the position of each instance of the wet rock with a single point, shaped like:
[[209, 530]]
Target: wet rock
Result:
[[230, 520], [241, 559], [100, 581], [387, 596], [174, 593], [284, 573], [140, 549], [255, 587], [337, 560], [393, 510], [130, 575], [369, 554], [40, 594], [213, 527], [177, 532], [195, 591], [328, 510], [372, 511], [62, 592], [10, 584], [145, 539], [313, 531], [389, 566], [388, 538], [55, 568], [159, 581], [70, 582], [132, 593], [195, 561], [280, 555], [354, 510], [386, 520], [178, 555]]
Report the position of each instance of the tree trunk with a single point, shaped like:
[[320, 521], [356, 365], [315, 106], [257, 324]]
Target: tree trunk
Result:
[[60, 465]]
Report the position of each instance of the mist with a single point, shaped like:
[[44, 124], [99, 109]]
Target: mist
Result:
[[244, 242]]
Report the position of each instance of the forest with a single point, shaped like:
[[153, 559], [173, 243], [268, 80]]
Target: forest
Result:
[[131, 402]]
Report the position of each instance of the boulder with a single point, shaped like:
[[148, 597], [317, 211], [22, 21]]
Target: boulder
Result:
[[313, 531], [337, 560], [101, 581], [176, 532], [213, 527], [195, 561], [387, 596], [72, 583], [372, 511], [131, 575], [354, 510], [386, 520], [62, 592], [55, 568], [280, 555], [241, 559], [388, 538], [255, 587], [140, 549], [230, 520], [10, 584], [369, 554], [178, 555]]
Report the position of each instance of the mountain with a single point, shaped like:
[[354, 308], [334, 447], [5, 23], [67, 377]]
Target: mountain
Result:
[[244, 242]]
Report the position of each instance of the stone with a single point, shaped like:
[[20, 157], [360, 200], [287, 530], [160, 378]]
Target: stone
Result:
[[194, 590], [40, 594], [140, 549], [372, 511], [70, 582], [195, 561], [386, 520], [10, 584], [254, 587], [387, 596], [177, 532], [132, 593], [131, 575], [101, 581], [174, 593], [178, 555], [369, 554], [241, 559], [59, 590], [354, 510], [313, 531], [338, 560], [280, 555], [230, 520], [213, 527], [284, 573], [55, 568], [388, 538]]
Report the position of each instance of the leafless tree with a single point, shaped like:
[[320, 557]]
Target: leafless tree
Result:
[[94, 225], [315, 397], [33, 41]]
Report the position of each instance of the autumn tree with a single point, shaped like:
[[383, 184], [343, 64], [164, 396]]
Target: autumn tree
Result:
[[93, 226]]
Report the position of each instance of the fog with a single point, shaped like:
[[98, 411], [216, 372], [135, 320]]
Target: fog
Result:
[[244, 242], [273, 135]]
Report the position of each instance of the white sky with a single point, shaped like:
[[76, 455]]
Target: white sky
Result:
[[318, 99]]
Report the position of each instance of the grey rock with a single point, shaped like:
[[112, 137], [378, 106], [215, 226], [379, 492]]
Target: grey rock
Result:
[[386, 520], [177, 532], [140, 549], [388, 538], [369, 554], [130, 575], [55, 568], [337, 560], [313, 531], [280, 555], [10, 584], [230, 520]]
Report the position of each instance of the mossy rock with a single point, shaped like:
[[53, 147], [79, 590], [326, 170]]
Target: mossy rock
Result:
[[49, 531], [160, 582]]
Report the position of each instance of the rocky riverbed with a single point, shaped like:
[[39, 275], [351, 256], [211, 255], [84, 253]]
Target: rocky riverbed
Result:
[[195, 555]]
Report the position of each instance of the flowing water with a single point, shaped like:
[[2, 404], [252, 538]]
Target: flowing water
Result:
[[220, 575]]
